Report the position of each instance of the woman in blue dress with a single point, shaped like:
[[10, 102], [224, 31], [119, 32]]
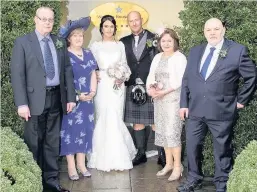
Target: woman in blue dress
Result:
[[77, 126]]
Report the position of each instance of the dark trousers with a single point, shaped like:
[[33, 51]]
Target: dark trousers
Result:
[[196, 129], [41, 134]]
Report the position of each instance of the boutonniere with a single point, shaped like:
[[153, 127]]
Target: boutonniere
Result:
[[58, 44], [152, 42], [223, 53]]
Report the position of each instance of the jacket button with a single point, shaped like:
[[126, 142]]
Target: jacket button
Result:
[[138, 62]]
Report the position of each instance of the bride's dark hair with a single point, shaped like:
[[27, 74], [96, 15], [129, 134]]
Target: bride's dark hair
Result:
[[108, 18]]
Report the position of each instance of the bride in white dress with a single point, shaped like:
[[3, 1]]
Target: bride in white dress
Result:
[[112, 147]]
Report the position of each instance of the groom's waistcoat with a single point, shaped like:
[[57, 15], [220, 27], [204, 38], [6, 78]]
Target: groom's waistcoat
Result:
[[139, 64]]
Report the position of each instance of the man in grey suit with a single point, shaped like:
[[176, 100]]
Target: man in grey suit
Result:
[[42, 82], [210, 99]]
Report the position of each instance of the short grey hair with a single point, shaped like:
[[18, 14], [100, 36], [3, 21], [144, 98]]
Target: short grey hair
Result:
[[43, 8]]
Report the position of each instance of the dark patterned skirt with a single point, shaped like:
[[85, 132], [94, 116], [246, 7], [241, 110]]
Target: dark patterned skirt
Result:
[[138, 114]]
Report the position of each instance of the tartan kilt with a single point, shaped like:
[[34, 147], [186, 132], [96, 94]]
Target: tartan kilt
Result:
[[138, 114]]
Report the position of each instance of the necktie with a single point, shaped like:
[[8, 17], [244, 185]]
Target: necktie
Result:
[[207, 63], [136, 40], [48, 59]]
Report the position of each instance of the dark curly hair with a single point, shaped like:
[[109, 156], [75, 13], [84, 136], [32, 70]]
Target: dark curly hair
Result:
[[108, 18]]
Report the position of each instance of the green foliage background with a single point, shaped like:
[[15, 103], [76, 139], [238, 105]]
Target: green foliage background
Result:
[[18, 170], [240, 18], [243, 177]]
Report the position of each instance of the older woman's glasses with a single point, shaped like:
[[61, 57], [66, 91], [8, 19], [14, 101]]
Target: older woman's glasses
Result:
[[50, 20]]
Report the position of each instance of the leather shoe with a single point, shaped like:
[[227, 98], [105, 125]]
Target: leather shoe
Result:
[[189, 186], [140, 158], [58, 188], [161, 157], [161, 162]]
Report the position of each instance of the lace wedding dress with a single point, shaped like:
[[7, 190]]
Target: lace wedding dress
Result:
[[112, 147]]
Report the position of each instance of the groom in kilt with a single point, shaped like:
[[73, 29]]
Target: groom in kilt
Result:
[[139, 57]]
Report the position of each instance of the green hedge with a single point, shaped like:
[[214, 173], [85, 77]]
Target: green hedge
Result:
[[240, 18], [19, 172], [243, 177], [17, 21]]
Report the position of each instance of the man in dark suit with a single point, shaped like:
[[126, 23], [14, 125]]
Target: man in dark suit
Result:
[[210, 99], [42, 82], [140, 53]]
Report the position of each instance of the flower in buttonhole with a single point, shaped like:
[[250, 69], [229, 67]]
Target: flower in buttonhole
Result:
[[223, 53]]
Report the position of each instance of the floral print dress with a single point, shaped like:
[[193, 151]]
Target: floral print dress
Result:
[[78, 126]]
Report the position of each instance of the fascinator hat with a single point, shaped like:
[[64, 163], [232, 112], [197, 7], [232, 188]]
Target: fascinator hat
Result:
[[82, 23]]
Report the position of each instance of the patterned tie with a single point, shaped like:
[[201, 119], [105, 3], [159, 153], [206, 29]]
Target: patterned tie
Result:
[[49, 62], [207, 63]]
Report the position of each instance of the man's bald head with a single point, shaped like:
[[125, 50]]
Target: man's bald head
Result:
[[134, 13], [135, 22], [213, 21], [214, 31]]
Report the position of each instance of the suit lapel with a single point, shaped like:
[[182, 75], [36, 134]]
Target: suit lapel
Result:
[[145, 51], [37, 49], [54, 38], [220, 60], [199, 59]]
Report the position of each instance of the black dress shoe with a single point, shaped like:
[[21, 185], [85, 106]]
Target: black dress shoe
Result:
[[189, 186], [140, 158], [161, 157], [58, 188], [161, 162]]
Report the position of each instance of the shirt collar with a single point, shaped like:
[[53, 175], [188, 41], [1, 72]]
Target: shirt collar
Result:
[[140, 34], [40, 37], [217, 47]]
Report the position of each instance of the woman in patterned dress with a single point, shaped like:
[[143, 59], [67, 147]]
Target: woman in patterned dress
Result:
[[163, 84], [77, 126]]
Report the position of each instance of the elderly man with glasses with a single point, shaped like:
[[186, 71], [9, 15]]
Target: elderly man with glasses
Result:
[[42, 82]]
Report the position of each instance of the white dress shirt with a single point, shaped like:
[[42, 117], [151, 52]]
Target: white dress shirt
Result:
[[214, 57], [136, 40]]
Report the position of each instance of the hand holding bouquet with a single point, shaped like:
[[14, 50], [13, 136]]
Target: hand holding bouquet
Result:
[[120, 72], [157, 86]]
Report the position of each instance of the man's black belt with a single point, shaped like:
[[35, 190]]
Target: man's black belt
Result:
[[52, 88]]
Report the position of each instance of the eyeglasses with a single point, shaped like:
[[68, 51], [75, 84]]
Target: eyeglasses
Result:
[[44, 20]]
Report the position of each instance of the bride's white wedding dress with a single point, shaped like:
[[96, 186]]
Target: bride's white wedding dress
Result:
[[112, 147]]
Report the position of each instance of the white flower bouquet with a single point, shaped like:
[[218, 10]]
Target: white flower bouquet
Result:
[[120, 72]]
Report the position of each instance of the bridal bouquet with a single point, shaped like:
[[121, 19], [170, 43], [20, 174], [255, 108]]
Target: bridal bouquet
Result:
[[120, 72]]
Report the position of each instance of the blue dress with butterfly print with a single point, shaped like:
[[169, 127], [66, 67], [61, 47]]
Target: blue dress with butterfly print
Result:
[[78, 126]]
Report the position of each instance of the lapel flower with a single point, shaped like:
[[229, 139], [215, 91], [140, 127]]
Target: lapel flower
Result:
[[152, 42], [223, 53], [58, 44]]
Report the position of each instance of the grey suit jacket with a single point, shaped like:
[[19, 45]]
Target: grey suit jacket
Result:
[[28, 74], [217, 97]]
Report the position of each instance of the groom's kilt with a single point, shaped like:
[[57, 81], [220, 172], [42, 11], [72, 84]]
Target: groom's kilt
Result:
[[138, 114]]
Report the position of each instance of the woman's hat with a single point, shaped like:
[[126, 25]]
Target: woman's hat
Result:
[[82, 23]]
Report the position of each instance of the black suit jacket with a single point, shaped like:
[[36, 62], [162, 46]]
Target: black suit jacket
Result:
[[29, 78], [217, 97], [139, 68]]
